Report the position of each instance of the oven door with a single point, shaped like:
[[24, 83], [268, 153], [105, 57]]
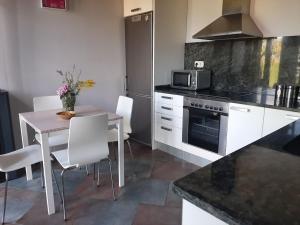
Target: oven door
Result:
[[205, 129], [181, 79]]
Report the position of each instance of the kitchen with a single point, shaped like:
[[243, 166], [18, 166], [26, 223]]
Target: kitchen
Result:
[[218, 94]]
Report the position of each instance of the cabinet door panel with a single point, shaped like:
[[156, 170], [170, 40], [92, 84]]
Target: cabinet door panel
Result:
[[245, 126], [133, 7], [276, 119]]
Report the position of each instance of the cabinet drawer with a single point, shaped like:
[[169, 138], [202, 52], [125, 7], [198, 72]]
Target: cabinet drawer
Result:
[[168, 135], [169, 99], [167, 120], [167, 109]]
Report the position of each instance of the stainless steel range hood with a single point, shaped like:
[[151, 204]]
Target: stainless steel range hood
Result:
[[235, 23]]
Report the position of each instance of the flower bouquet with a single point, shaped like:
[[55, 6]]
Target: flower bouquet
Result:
[[71, 87]]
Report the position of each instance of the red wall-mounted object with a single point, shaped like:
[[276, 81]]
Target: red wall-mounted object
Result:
[[54, 4]]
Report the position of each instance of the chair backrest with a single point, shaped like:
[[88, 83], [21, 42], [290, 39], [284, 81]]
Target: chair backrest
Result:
[[88, 141], [44, 103], [124, 109]]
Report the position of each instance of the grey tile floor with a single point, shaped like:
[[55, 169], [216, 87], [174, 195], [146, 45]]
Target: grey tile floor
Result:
[[147, 198]]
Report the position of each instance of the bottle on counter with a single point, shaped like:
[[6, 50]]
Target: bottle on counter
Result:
[[291, 95], [280, 94]]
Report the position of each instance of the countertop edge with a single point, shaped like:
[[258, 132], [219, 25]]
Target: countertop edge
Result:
[[206, 206], [238, 102]]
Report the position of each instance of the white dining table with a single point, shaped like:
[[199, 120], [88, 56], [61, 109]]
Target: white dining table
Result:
[[46, 122]]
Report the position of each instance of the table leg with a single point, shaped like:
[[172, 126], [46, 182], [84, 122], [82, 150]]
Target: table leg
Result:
[[47, 173], [121, 153], [24, 135]]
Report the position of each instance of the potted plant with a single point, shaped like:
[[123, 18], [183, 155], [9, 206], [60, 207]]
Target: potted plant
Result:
[[71, 87]]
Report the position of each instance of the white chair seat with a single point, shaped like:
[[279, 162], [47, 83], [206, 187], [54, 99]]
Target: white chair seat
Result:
[[113, 135], [20, 158], [56, 138], [62, 157]]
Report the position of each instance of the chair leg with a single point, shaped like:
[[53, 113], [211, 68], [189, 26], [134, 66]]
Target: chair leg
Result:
[[129, 146], [95, 171], [98, 175], [112, 181], [5, 198], [42, 175], [63, 195], [55, 180], [87, 170]]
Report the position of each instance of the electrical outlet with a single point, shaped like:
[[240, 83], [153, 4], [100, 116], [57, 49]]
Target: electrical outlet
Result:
[[199, 64]]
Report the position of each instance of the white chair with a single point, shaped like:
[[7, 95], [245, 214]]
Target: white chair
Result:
[[124, 109], [16, 160], [87, 145], [44, 103]]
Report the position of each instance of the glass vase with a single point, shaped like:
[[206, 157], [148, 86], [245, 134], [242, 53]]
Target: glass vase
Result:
[[68, 102]]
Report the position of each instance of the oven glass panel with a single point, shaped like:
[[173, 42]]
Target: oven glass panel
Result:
[[204, 129], [181, 79]]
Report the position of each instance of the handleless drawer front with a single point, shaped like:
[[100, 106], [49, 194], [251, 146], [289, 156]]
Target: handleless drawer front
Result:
[[172, 121], [169, 99], [167, 109]]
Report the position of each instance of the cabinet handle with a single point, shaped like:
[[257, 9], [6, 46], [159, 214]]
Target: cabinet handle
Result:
[[167, 108], [166, 97], [136, 9], [292, 117], [166, 118], [240, 109], [166, 129]]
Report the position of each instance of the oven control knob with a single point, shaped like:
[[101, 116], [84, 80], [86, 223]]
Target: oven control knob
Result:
[[200, 106], [211, 107], [192, 104], [221, 108], [196, 104], [206, 106], [216, 108]]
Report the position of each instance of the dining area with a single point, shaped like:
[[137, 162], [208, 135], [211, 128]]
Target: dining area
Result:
[[85, 137]]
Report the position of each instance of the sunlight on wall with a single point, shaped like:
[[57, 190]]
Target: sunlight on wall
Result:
[[274, 65]]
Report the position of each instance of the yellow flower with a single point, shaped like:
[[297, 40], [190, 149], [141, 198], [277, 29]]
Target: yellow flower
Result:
[[86, 84]]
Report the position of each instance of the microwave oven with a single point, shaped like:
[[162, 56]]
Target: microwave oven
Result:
[[191, 79]]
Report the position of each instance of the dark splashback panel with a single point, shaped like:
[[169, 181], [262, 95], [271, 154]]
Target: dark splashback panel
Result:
[[248, 64]]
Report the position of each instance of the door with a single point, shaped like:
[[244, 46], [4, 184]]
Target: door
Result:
[[141, 119], [138, 34], [202, 129], [245, 126]]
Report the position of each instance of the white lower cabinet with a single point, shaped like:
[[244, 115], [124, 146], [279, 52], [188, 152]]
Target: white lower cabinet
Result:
[[168, 135], [276, 119], [245, 125], [193, 215]]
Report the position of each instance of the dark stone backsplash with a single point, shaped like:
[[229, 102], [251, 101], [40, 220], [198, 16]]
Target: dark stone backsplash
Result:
[[248, 64]]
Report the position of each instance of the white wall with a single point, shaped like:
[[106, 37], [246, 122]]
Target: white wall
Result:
[[38, 41], [273, 17]]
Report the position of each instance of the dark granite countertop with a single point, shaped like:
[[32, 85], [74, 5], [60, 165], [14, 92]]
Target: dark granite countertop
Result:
[[258, 184], [257, 97]]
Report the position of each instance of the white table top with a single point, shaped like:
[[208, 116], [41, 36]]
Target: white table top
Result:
[[48, 121]]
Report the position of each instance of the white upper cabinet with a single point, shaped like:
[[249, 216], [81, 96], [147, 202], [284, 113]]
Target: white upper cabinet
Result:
[[133, 7], [276, 119], [245, 124]]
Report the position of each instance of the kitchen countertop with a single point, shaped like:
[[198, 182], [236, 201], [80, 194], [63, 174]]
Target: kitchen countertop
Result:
[[258, 184], [257, 97]]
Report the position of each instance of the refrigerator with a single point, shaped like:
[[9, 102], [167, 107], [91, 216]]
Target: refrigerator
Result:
[[139, 66]]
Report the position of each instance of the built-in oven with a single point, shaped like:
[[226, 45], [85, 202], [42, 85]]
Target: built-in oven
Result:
[[205, 124]]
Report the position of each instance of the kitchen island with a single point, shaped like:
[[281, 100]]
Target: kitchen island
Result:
[[258, 184]]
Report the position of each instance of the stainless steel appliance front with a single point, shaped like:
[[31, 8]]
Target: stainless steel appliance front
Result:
[[205, 124], [191, 79]]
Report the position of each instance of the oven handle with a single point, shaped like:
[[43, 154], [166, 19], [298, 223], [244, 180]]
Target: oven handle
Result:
[[185, 124]]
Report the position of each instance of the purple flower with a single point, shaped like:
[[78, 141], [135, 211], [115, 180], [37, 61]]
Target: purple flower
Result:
[[62, 90]]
